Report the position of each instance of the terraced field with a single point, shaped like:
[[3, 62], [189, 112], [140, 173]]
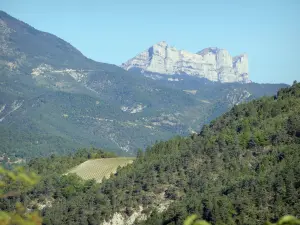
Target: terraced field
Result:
[[99, 168]]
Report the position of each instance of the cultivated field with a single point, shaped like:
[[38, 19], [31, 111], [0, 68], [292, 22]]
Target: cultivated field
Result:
[[99, 168]]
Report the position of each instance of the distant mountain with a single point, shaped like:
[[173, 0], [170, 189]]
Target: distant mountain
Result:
[[21, 44], [54, 99], [212, 63]]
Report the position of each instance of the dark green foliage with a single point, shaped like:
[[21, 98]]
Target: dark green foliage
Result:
[[293, 125], [243, 168], [53, 186]]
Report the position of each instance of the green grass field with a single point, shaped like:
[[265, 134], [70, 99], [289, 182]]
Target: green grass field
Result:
[[99, 168]]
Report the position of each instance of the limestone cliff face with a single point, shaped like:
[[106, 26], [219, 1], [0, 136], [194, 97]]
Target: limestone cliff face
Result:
[[212, 63]]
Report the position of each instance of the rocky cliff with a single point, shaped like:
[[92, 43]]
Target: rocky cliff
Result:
[[212, 63]]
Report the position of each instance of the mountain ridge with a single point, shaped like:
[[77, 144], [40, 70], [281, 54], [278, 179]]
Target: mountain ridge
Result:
[[40, 40], [50, 90], [212, 63]]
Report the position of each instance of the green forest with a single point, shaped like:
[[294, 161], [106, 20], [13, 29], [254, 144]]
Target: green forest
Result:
[[242, 168]]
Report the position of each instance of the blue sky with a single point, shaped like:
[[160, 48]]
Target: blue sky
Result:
[[114, 31]]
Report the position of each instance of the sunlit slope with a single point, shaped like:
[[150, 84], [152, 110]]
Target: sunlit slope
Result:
[[99, 168]]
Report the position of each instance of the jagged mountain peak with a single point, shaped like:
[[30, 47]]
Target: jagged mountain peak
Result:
[[213, 50], [213, 63], [162, 43]]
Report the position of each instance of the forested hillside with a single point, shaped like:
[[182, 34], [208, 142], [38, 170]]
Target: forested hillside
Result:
[[243, 168]]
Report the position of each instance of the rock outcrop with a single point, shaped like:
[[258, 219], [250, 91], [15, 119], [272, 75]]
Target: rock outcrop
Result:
[[212, 63]]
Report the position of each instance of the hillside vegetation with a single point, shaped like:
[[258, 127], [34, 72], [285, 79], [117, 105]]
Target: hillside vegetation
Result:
[[242, 168]]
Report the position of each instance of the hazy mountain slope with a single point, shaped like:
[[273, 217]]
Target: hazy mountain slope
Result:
[[49, 89], [37, 68], [21, 43]]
